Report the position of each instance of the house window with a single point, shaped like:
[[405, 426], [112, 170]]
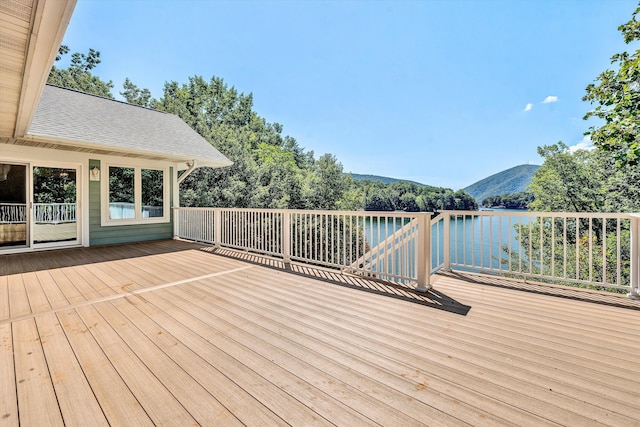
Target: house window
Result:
[[135, 195], [121, 193], [152, 193]]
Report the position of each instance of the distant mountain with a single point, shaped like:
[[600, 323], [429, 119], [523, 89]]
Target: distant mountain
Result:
[[514, 180], [383, 179]]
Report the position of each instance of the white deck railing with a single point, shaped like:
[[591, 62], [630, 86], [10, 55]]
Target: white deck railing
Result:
[[54, 213], [43, 213], [346, 240], [13, 213], [598, 249]]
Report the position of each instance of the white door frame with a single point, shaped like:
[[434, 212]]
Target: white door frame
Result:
[[78, 167]]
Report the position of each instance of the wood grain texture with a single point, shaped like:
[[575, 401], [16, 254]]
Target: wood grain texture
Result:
[[171, 332]]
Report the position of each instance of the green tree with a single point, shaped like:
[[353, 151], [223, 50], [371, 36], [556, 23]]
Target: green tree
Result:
[[567, 181], [325, 184], [78, 75], [134, 95], [616, 94]]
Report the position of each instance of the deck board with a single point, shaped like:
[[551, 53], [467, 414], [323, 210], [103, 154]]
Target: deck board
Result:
[[157, 401], [176, 333], [113, 395], [37, 402], [75, 397], [9, 401], [355, 344]]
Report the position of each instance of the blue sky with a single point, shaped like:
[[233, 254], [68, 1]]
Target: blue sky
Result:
[[440, 92]]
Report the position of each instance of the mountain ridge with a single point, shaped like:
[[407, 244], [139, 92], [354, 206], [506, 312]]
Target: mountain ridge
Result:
[[383, 179], [508, 181]]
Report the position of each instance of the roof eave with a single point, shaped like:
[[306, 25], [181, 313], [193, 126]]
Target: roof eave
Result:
[[48, 26], [103, 149]]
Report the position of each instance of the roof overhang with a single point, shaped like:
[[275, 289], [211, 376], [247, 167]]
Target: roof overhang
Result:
[[31, 32], [183, 162]]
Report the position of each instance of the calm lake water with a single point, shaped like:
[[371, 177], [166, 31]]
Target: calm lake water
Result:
[[470, 238]]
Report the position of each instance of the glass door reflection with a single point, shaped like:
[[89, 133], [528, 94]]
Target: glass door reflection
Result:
[[13, 205], [54, 205]]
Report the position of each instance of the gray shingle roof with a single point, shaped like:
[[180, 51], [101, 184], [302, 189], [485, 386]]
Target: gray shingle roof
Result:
[[70, 116]]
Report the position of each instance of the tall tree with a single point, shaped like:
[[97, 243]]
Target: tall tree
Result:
[[583, 181], [567, 181], [326, 183], [78, 75], [134, 95], [616, 94]]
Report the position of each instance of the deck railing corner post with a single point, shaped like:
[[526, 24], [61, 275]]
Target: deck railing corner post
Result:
[[286, 236], [423, 253], [446, 265], [217, 227]]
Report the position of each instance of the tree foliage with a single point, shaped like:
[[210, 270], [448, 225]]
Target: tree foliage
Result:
[[583, 181], [520, 200], [616, 94], [78, 75], [134, 95], [270, 170], [408, 197]]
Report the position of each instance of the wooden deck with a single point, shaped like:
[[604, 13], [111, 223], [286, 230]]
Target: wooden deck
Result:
[[173, 333]]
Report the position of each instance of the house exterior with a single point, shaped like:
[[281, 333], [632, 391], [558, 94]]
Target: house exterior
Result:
[[77, 169]]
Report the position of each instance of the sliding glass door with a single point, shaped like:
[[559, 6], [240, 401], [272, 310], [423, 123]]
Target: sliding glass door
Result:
[[14, 224], [54, 208]]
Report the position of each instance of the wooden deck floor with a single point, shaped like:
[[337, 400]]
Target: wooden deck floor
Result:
[[171, 333]]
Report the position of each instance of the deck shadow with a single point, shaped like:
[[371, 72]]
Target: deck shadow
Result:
[[27, 262], [432, 298], [558, 291]]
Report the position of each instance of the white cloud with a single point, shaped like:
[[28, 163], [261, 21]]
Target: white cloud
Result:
[[550, 99], [584, 144], [528, 107]]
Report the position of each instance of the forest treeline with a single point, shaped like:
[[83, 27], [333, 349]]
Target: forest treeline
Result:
[[520, 200], [270, 169]]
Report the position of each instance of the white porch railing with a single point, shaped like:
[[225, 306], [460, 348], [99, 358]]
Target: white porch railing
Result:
[[44, 213], [599, 249], [54, 213], [13, 213], [346, 240]]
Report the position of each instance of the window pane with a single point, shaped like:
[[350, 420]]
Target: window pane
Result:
[[121, 187], [13, 205], [152, 193]]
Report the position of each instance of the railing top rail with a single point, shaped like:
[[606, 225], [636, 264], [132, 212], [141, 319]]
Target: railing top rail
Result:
[[395, 214], [53, 204], [610, 215]]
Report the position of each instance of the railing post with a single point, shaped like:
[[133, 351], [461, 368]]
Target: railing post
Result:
[[423, 252], [176, 223], [446, 248], [286, 236], [217, 227], [635, 257]]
